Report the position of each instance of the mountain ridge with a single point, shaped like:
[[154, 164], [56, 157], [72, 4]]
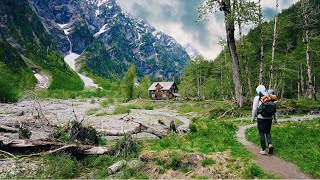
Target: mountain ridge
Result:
[[127, 39]]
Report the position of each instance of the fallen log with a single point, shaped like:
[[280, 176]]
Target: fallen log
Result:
[[159, 134], [22, 143], [8, 129], [133, 164], [50, 146], [116, 167], [7, 153], [140, 128]]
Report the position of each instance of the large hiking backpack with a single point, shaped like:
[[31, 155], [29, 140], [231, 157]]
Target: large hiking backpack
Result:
[[267, 107]]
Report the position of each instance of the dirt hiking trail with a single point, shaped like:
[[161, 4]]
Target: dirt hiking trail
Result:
[[273, 164]]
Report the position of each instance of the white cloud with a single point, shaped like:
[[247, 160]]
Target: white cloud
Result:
[[167, 16]]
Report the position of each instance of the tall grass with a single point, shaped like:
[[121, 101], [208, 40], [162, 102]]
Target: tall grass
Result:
[[60, 166], [123, 109]]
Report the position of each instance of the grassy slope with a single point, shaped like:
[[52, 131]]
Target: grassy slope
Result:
[[14, 74], [297, 142]]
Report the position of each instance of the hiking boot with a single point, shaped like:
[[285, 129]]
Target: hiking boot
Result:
[[263, 152], [270, 149]]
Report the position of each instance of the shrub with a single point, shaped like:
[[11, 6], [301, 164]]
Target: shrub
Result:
[[207, 162], [60, 166]]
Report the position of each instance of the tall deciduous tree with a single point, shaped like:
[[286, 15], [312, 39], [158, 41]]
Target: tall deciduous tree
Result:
[[261, 44], [273, 45], [231, 13], [308, 15]]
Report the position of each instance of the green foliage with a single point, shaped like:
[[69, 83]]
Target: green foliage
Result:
[[15, 77], [98, 164], [297, 142], [207, 162], [121, 109], [27, 30], [68, 94], [131, 173], [129, 83], [299, 106], [254, 171], [91, 111], [211, 136], [193, 128], [205, 80], [60, 166], [102, 141], [98, 61], [127, 147], [175, 162], [209, 109], [107, 102], [290, 56], [142, 90]]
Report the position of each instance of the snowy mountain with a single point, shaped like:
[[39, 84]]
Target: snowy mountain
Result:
[[192, 52], [109, 39]]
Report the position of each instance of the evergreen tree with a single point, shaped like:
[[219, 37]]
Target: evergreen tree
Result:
[[129, 82]]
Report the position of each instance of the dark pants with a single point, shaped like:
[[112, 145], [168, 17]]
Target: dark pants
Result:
[[264, 127]]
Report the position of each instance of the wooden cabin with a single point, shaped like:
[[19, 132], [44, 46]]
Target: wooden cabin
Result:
[[163, 91]]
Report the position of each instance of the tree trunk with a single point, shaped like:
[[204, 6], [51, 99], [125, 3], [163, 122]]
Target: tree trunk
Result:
[[311, 94], [233, 52], [273, 44], [261, 45], [314, 88], [302, 81], [306, 20], [310, 85], [299, 94]]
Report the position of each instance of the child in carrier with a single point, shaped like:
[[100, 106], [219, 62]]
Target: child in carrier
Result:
[[264, 108]]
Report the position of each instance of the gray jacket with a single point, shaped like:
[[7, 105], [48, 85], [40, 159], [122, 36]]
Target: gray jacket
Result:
[[256, 103]]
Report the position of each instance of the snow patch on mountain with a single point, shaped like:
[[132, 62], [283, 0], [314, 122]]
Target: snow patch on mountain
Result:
[[101, 31], [192, 52]]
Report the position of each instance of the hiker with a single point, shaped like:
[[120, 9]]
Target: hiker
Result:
[[264, 121]]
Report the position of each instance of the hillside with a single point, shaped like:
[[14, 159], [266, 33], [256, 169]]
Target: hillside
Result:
[[26, 46]]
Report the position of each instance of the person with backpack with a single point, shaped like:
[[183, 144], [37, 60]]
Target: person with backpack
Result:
[[265, 110]]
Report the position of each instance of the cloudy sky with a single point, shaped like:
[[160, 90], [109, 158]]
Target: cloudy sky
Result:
[[178, 18]]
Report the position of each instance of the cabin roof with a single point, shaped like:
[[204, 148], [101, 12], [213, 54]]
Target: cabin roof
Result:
[[164, 85]]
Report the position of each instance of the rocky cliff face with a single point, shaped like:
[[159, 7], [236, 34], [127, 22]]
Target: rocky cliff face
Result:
[[55, 13], [126, 39]]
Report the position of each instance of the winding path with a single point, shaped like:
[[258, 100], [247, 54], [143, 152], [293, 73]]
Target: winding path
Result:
[[283, 168]]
